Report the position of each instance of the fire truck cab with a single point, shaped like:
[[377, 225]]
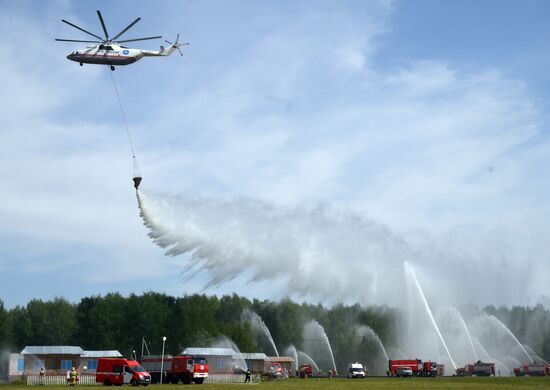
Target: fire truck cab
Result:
[[118, 371]]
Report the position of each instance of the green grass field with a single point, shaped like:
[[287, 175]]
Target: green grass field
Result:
[[501, 383]]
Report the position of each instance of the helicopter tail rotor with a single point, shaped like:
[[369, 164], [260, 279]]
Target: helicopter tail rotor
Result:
[[177, 44]]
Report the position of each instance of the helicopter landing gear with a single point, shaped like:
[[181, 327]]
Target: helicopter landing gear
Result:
[[112, 68], [81, 64]]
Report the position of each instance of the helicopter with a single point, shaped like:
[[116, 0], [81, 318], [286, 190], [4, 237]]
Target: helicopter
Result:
[[109, 51]]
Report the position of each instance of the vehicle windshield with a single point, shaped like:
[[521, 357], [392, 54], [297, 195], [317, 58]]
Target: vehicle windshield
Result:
[[355, 369], [200, 360], [138, 369]]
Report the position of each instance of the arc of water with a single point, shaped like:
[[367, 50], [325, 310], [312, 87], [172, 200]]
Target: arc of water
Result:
[[507, 331], [536, 358], [365, 330], [259, 326], [457, 314], [302, 356], [316, 327], [409, 270], [469, 336], [238, 360], [291, 350], [482, 350]]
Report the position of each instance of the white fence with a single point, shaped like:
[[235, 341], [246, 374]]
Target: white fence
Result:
[[230, 378], [37, 380]]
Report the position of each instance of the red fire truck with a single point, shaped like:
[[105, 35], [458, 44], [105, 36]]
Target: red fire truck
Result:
[[117, 371], [532, 370], [306, 371], [173, 369], [479, 368], [418, 367]]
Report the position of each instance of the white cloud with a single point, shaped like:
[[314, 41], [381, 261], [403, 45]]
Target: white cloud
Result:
[[293, 109]]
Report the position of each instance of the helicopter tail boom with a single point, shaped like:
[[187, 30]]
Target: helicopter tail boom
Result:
[[166, 51]]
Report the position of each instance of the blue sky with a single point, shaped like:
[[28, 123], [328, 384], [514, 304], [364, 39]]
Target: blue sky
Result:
[[427, 117]]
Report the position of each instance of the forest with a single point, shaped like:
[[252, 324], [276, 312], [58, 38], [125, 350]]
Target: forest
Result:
[[116, 322]]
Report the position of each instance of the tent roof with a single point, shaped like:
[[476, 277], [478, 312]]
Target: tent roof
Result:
[[52, 350], [253, 356], [209, 351], [98, 354]]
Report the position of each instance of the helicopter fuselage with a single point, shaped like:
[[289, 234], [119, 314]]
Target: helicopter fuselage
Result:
[[116, 55], [106, 55]]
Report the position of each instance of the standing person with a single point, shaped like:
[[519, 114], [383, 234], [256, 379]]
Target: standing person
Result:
[[73, 377], [42, 375], [248, 375]]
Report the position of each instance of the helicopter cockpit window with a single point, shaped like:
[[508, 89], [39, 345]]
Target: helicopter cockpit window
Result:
[[101, 47], [107, 48]]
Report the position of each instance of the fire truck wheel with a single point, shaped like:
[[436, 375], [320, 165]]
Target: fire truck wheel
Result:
[[185, 380], [107, 382], [133, 382], [198, 381], [174, 380]]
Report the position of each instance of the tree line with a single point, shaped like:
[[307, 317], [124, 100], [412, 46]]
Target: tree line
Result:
[[116, 322]]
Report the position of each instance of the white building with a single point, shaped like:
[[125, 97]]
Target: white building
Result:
[[56, 360]]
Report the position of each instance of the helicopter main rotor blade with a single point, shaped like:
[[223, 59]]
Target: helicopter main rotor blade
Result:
[[76, 40], [127, 28], [103, 25], [139, 39], [81, 29]]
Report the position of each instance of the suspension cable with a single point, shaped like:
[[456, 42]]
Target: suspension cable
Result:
[[122, 111]]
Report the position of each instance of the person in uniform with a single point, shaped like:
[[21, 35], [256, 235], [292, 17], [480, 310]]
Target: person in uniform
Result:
[[73, 377]]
